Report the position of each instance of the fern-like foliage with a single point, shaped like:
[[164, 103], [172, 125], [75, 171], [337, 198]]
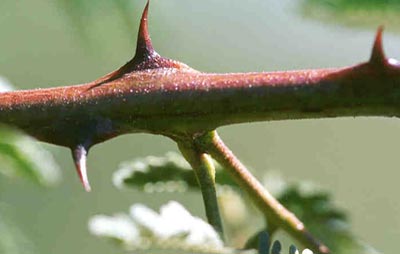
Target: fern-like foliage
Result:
[[169, 173]]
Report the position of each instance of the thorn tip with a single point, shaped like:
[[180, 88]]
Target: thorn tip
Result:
[[144, 46], [378, 55], [79, 155]]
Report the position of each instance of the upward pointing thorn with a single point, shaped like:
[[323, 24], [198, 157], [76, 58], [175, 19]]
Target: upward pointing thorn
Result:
[[378, 56], [144, 47], [79, 155]]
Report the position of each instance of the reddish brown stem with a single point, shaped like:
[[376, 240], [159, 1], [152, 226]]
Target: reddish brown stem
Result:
[[162, 96], [169, 97]]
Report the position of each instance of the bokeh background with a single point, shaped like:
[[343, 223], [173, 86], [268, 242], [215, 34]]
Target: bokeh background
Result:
[[47, 43]]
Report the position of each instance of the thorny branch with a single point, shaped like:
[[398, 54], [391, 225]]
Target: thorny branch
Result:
[[157, 95]]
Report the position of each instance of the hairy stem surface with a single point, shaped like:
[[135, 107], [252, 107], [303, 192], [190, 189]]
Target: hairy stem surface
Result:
[[157, 95]]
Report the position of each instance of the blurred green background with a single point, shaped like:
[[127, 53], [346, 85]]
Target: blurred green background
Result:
[[47, 43]]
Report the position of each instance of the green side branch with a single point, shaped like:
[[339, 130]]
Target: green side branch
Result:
[[205, 174], [276, 213]]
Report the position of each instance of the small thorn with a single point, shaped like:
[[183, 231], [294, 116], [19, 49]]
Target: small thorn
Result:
[[378, 55], [144, 47], [79, 154]]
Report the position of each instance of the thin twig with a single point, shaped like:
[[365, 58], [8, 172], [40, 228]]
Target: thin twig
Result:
[[205, 173], [271, 207]]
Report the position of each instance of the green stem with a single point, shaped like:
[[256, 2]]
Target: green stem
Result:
[[205, 174], [272, 209]]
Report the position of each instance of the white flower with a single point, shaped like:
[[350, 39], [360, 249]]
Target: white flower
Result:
[[173, 227], [175, 221], [120, 227]]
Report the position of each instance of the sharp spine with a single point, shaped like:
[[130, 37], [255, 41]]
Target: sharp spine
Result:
[[79, 154], [144, 46], [378, 55]]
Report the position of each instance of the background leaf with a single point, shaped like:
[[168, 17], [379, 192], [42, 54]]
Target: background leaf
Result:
[[315, 208], [361, 13], [12, 240], [169, 173]]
